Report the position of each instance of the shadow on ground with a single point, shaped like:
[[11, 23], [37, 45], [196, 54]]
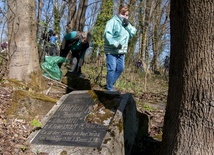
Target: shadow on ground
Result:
[[144, 144], [75, 82]]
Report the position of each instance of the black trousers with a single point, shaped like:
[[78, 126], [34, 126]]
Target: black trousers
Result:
[[75, 54], [63, 53]]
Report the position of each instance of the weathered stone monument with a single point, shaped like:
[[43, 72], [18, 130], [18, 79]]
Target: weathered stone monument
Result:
[[88, 122]]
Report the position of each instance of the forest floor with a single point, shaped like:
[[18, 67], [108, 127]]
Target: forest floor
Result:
[[14, 132]]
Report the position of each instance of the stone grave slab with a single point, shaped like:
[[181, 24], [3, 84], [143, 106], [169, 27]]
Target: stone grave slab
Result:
[[68, 127], [65, 130]]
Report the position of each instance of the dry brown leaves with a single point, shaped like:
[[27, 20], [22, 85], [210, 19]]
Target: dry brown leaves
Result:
[[13, 132]]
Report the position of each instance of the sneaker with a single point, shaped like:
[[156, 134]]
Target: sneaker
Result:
[[112, 92]]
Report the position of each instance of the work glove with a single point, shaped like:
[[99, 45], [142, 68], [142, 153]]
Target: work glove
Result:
[[119, 47], [125, 22]]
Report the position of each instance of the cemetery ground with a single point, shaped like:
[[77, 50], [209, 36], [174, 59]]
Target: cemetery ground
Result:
[[23, 106]]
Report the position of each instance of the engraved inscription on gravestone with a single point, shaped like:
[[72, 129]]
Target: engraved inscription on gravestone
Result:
[[68, 127]]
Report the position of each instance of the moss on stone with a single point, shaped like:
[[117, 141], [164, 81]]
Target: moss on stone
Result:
[[28, 105], [120, 125], [158, 137], [102, 112]]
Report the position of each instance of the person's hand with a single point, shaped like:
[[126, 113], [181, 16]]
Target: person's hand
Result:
[[125, 22], [119, 47]]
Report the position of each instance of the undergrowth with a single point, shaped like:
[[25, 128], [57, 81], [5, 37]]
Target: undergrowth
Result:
[[131, 80]]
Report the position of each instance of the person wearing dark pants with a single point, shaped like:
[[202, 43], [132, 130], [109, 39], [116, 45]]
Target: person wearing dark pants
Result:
[[77, 43]]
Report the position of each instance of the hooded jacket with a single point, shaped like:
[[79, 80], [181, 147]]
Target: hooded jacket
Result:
[[74, 43], [116, 34]]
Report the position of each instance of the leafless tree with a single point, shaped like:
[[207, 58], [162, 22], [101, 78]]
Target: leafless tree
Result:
[[76, 15]]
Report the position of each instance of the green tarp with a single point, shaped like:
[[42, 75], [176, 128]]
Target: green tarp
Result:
[[50, 67]]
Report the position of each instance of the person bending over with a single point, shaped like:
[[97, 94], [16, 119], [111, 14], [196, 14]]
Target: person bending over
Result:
[[76, 42]]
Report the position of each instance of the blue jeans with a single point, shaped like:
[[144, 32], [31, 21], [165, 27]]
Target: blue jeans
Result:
[[115, 65]]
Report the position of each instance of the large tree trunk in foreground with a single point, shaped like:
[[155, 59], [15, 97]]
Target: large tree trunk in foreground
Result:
[[22, 39], [189, 120]]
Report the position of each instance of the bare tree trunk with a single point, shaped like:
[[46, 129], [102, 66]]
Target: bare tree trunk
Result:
[[39, 12], [156, 36], [156, 48], [58, 11], [160, 28], [189, 124], [132, 41], [76, 17], [22, 39], [72, 9], [81, 14], [146, 18], [39, 31]]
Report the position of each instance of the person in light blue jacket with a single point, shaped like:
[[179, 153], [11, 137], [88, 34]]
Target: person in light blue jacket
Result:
[[117, 33]]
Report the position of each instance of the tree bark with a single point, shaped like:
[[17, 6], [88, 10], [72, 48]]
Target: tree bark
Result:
[[189, 119], [22, 39], [76, 17], [144, 23], [72, 9], [81, 14], [39, 16]]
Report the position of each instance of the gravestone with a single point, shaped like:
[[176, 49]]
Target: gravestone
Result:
[[67, 131], [68, 127]]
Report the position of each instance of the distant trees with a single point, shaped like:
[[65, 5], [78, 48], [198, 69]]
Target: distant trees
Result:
[[150, 18], [154, 26], [158, 31], [188, 124]]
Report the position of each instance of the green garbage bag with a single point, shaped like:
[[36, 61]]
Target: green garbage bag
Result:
[[50, 67]]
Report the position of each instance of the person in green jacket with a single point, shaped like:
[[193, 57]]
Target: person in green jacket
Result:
[[117, 33], [76, 42]]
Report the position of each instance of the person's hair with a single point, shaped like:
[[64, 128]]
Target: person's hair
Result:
[[87, 35], [123, 9]]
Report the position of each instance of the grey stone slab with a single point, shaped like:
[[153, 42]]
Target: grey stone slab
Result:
[[120, 135], [68, 127]]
